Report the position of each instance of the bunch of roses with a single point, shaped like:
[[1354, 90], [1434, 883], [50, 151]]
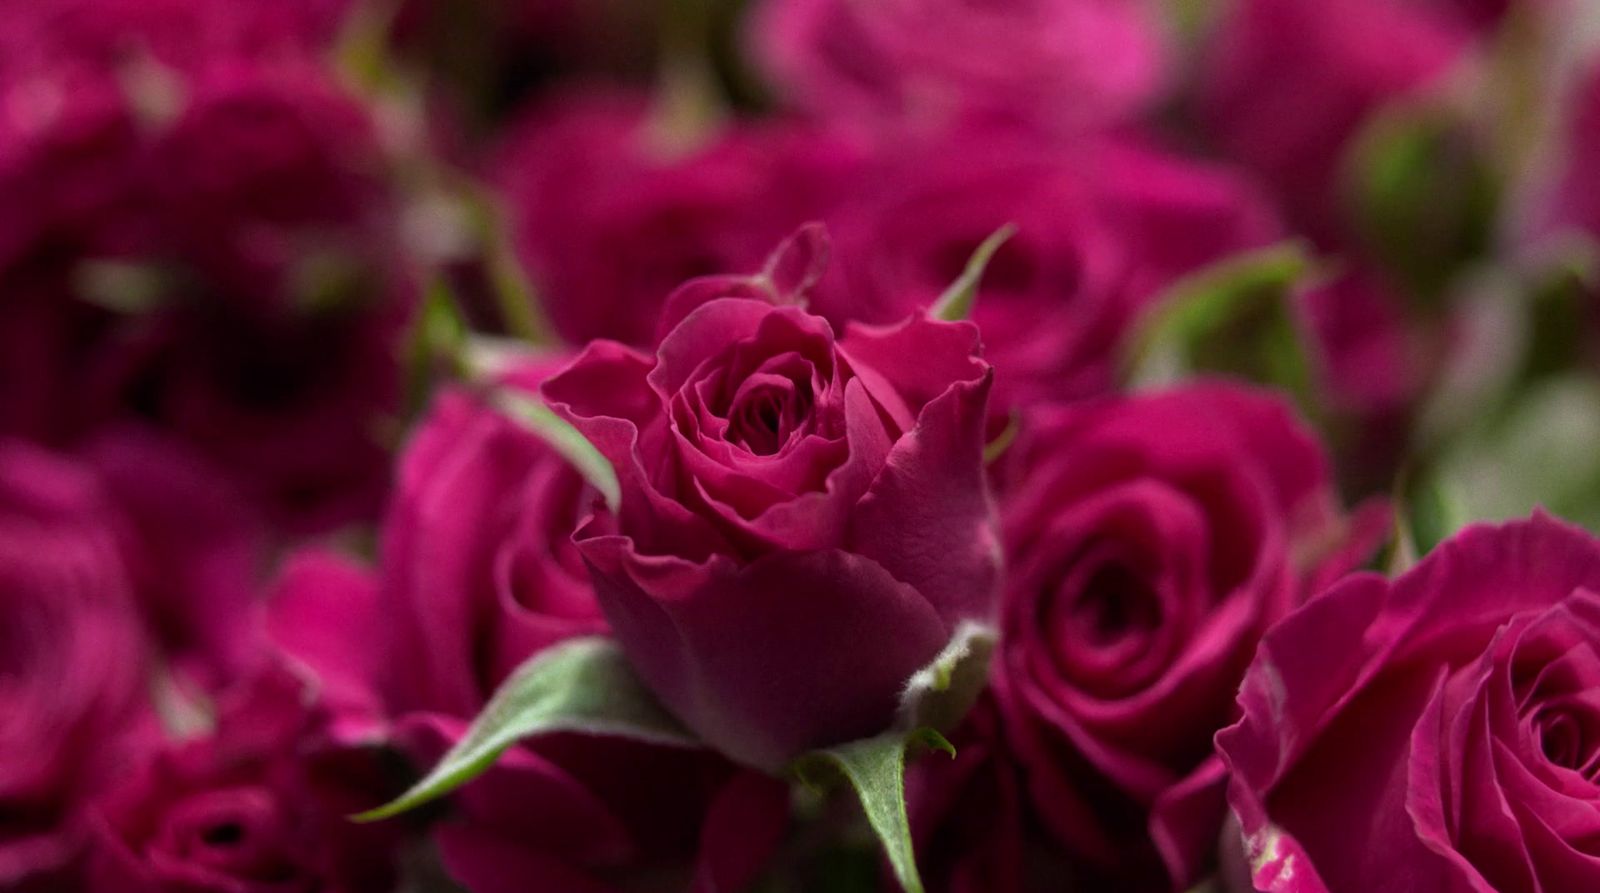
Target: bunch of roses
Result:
[[635, 459]]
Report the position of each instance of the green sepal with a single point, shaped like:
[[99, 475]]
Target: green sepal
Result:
[[876, 770], [959, 298], [582, 685], [936, 697]]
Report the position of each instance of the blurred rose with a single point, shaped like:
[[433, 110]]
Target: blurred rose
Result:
[[1287, 85], [609, 218], [1151, 541], [1432, 732], [786, 497], [240, 810], [107, 35], [1052, 63], [193, 549], [1101, 229], [479, 567], [72, 660], [226, 271]]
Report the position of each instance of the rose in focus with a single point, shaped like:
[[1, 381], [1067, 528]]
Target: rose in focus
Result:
[[786, 496]]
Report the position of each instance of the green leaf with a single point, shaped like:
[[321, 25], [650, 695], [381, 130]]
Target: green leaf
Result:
[[876, 769], [1233, 317], [564, 439], [584, 685], [957, 301]]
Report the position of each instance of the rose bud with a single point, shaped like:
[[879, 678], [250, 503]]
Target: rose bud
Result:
[[1433, 732], [479, 574], [803, 519], [1054, 64], [1150, 541], [72, 661], [1101, 229], [609, 220], [242, 810]]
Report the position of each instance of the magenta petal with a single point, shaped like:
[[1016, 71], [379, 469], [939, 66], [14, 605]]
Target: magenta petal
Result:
[[952, 555], [733, 651]]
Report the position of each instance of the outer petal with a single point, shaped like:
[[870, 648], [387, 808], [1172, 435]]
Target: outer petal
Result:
[[606, 394], [928, 518], [738, 653]]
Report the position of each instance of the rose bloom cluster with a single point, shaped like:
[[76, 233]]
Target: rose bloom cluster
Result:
[[1231, 368]]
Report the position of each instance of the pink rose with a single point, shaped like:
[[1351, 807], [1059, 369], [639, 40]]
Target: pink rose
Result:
[[242, 810], [1101, 228], [1434, 732], [803, 519], [1287, 84], [609, 219], [1051, 63], [1150, 542], [72, 660]]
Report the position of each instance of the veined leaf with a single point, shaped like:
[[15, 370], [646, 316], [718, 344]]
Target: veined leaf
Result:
[[584, 685]]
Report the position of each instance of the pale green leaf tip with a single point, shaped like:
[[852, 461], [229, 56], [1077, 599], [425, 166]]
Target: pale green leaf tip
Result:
[[958, 300], [566, 440]]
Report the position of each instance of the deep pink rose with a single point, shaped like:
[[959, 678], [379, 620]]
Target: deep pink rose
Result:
[[478, 574], [609, 218], [1287, 84], [803, 519], [241, 810], [1101, 228], [1434, 732], [1052, 63], [226, 270], [1150, 541], [193, 548], [72, 659]]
